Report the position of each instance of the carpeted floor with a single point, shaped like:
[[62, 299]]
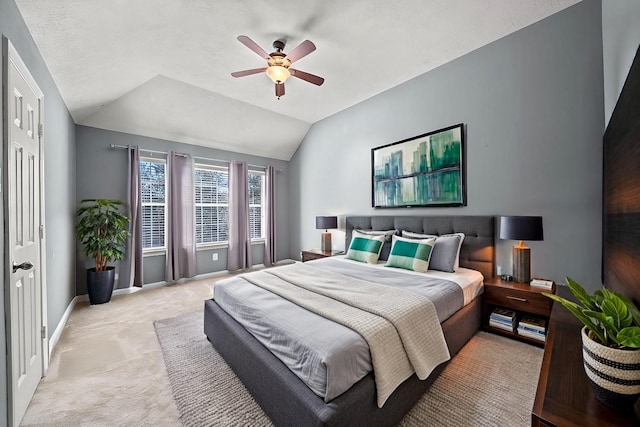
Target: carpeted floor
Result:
[[491, 382], [107, 369]]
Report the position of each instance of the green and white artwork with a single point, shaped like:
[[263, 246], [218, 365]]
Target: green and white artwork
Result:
[[426, 170]]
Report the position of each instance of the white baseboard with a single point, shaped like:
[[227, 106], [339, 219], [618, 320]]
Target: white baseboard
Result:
[[55, 336]]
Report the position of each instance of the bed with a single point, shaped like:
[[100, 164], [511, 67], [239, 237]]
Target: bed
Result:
[[282, 393]]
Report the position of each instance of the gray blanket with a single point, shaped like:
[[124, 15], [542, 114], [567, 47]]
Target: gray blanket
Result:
[[326, 355]]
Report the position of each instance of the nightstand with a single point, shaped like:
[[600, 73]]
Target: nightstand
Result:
[[317, 253], [522, 298]]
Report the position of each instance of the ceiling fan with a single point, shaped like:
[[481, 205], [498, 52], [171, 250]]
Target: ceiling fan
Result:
[[278, 63]]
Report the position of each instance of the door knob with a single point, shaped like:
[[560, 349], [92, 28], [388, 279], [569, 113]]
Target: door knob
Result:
[[25, 266]]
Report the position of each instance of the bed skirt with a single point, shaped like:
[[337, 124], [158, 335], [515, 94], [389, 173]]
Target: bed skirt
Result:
[[289, 402]]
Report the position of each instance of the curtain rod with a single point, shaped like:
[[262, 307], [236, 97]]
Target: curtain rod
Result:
[[185, 155]]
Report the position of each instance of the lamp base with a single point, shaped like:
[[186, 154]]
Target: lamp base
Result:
[[325, 244], [521, 264]]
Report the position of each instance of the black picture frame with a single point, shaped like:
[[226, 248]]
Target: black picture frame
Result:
[[427, 170]]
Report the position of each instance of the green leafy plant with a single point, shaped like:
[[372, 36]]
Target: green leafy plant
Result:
[[611, 318], [102, 230]]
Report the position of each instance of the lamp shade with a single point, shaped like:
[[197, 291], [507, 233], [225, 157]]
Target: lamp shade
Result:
[[521, 228], [326, 222], [278, 74]]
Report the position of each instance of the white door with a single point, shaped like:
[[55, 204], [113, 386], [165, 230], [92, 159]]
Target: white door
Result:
[[23, 105]]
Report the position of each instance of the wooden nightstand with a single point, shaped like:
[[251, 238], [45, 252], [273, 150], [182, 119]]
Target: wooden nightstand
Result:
[[317, 253], [521, 297]]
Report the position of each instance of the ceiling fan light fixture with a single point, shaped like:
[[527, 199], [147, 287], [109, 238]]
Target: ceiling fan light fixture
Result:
[[278, 74]]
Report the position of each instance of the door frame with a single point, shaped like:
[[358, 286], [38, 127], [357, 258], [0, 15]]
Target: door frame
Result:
[[10, 54]]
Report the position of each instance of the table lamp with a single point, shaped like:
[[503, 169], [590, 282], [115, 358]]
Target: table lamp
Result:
[[521, 228], [325, 223]]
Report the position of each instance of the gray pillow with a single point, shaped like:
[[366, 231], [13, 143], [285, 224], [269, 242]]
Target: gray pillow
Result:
[[445, 252]]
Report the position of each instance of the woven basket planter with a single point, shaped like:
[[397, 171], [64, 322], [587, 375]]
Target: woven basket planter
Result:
[[614, 374]]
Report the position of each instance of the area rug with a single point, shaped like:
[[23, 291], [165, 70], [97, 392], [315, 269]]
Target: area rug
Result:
[[491, 382]]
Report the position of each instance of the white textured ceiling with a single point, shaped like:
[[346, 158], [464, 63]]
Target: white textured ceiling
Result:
[[161, 68]]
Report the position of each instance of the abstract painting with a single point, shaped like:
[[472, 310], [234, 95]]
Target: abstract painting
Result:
[[426, 170]]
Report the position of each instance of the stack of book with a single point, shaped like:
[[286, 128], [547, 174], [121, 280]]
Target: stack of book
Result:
[[532, 327], [541, 283], [502, 318]]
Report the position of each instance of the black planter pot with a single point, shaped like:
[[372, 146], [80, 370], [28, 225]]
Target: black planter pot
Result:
[[100, 284]]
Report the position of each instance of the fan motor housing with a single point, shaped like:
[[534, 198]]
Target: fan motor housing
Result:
[[278, 59], [279, 45]]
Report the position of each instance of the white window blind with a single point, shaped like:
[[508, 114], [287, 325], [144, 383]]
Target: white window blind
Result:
[[153, 197], [256, 204], [212, 204]]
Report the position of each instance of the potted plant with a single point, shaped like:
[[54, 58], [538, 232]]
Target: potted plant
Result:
[[102, 231], [610, 343]]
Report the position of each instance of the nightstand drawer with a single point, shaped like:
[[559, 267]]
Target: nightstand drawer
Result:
[[531, 302]]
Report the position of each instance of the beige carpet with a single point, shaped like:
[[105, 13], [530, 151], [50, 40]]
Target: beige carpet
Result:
[[107, 369], [491, 382]]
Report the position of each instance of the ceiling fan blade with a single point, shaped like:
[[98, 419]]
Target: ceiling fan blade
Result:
[[279, 89], [311, 78], [253, 46], [303, 49], [248, 72]]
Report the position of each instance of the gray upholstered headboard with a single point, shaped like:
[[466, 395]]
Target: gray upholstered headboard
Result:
[[477, 252]]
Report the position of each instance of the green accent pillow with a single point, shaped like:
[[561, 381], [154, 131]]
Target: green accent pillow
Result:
[[365, 247], [411, 254]]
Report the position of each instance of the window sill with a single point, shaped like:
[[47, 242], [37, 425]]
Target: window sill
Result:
[[224, 245], [153, 252], [211, 246]]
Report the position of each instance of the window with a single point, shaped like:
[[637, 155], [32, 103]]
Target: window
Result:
[[212, 204], [153, 185], [256, 208]]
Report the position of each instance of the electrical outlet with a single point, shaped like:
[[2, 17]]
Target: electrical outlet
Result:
[[214, 257]]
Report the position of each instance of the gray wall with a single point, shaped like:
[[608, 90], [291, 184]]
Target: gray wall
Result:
[[102, 173], [59, 158], [532, 103], [620, 41]]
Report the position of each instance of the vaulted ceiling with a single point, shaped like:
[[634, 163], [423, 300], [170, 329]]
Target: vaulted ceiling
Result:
[[161, 68]]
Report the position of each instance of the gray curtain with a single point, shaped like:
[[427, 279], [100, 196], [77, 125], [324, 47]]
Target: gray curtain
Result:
[[270, 216], [239, 256], [131, 267], [181, 248]]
